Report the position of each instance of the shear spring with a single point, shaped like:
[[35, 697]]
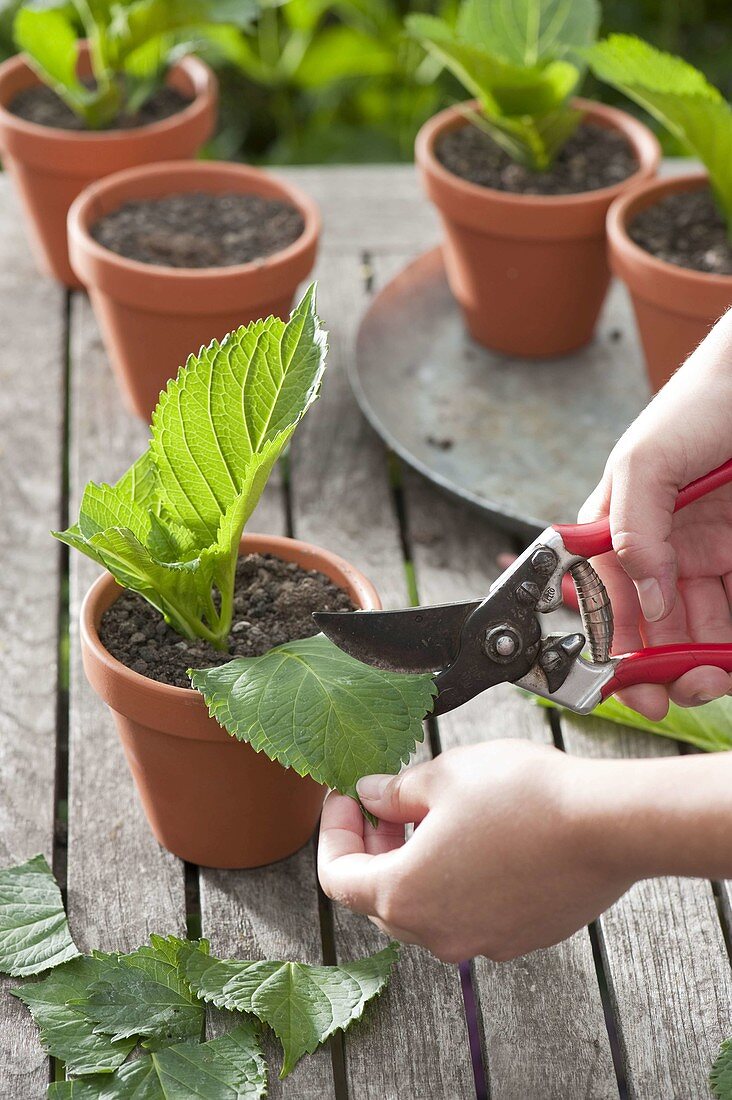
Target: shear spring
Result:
[[596, 610]]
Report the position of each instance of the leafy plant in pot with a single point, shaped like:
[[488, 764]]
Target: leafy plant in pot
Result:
[[174, 255], [523, 175], [670, 239], [101, 87], [170, 531]]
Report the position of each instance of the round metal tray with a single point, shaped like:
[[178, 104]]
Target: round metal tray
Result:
[[525, 441]]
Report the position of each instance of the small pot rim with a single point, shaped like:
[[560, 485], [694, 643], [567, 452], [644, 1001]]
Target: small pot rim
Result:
[[80, 218], [643, 141], [200, 73], [106, 586], [626, 206]]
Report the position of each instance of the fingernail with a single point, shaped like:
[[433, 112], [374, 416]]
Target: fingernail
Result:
[[651, 599], [704, 697], [372, 787]]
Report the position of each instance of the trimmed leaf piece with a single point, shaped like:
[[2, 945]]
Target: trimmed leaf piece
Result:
[[679, 96], [145, 994], [34, 931], [231, 1067], [57, 1006], [521, 60], [708, 727], [304, 1005], [720, 1078], [315, 709], [170, 528]]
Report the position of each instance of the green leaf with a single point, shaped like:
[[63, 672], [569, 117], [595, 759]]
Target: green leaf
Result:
[[57, 1005], [34, 931], [679, 96], [720, 1078], [145, 994], [524, 106], [317, 710], [49, 38], [708, 727], [229, 402], [529, 32], [171, 526], [304, 1005], [231, 1067]]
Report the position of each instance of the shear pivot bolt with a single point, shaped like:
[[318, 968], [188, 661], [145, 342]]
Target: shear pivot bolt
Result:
[[528, 592], [502, 644]]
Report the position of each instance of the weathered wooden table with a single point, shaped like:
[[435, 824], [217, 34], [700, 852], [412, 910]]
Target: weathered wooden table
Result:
[[636, 1004]]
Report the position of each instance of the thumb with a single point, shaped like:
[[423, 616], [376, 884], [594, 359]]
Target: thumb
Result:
[[400, 798], [641, 514]]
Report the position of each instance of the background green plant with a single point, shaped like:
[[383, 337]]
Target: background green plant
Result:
[[337, 81]]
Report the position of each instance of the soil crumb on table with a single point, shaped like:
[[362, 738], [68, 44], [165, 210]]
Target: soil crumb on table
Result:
[[42, 106], [200, 230], [685, 229], [593, 157], [273, 604]]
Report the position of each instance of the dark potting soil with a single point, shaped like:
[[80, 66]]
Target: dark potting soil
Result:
[[685, 229], [273, 604], [42, 106], [593, 157], [200, 230]]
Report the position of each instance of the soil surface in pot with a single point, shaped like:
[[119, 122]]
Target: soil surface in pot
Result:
[[273, 604], [593, 157], [42, 106], [685, 229], [200, 230]]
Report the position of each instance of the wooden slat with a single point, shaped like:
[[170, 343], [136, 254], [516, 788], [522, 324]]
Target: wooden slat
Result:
[[665, 956], [31, 378], [415, 1043], [536, 1042], [369, 208], [122, 884]]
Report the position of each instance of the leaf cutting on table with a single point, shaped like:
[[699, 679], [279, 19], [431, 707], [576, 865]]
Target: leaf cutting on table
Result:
[[145, 994], [315, 709], [304, 1005], [231, 1067], [34, 931], [720, 1078], [708, 727], [57, 1004]]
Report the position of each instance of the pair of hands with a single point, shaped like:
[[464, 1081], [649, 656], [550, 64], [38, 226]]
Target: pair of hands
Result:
[[518, 846]]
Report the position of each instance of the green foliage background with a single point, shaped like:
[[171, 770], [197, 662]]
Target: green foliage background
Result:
[[336, 81]]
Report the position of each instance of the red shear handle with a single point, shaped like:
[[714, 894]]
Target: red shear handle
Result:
[[589, 539], [665, 663]]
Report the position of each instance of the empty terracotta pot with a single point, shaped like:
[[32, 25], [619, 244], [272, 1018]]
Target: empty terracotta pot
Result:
[[674, 306], [152, 317], [529, 272], [209, 798], [49, 167]]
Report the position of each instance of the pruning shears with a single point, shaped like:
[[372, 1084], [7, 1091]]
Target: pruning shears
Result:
[[476, 644]]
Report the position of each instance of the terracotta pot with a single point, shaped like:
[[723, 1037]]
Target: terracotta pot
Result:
[[674, 306], [50, 167], [210, 799], [152, 317], [529, 272]]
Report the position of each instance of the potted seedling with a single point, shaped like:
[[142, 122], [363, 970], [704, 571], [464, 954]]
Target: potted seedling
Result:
[[523, 175], [670, 239], [177, 254], [100, 87], [195, 593]]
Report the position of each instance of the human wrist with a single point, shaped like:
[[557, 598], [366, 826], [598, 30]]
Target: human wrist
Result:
[[642, 818]]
